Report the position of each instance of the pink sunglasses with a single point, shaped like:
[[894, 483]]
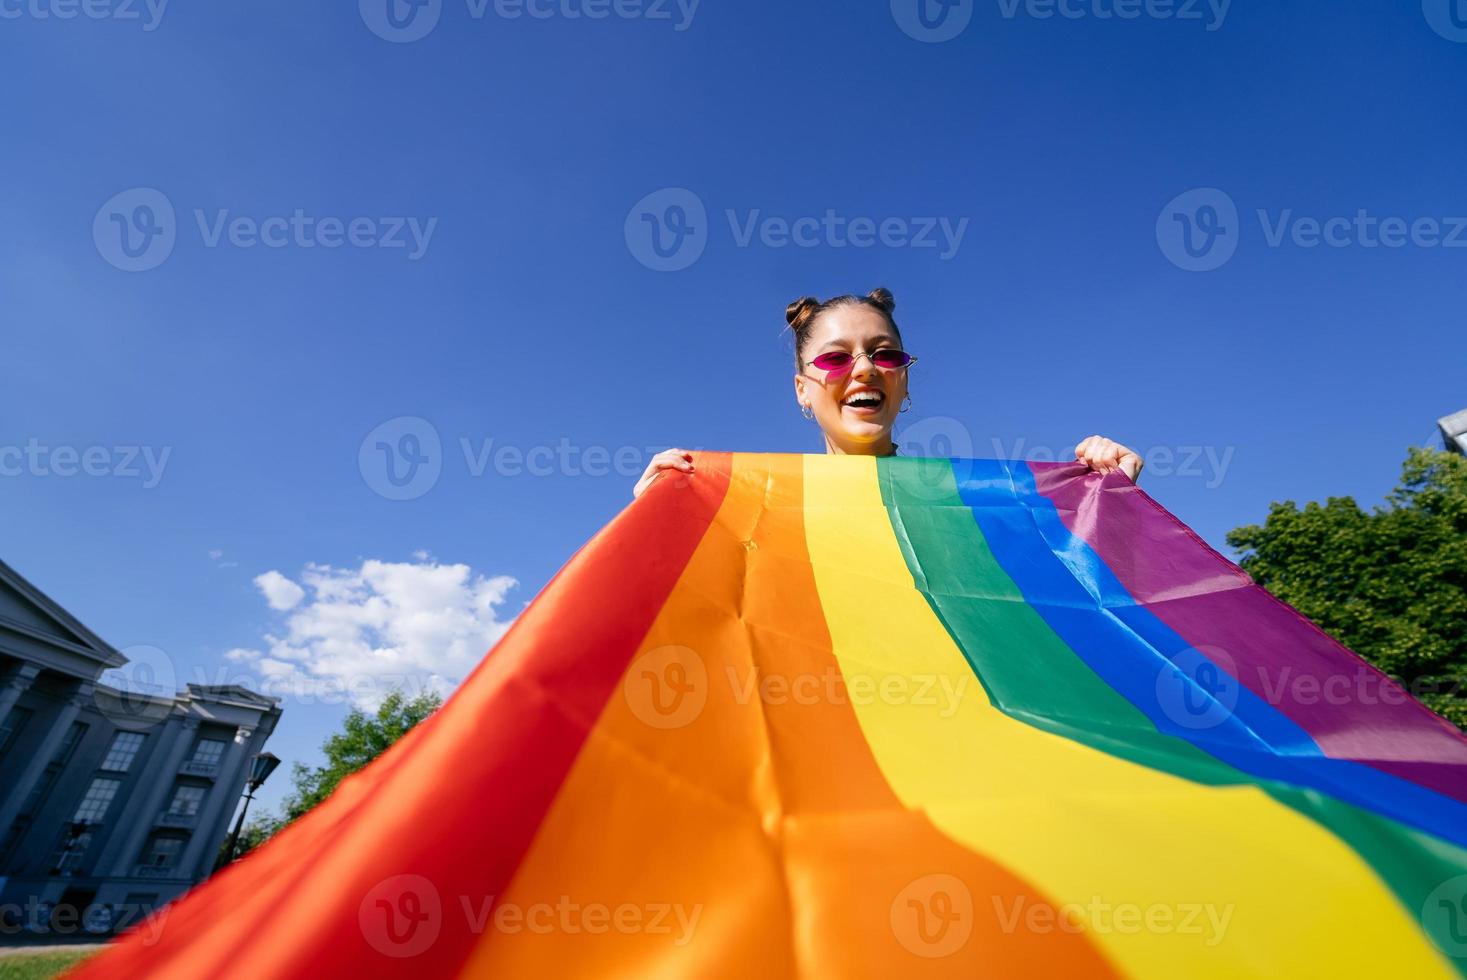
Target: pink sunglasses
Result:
[[839, 363]]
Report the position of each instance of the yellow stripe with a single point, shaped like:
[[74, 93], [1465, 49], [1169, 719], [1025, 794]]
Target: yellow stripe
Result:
[[1171, 877]]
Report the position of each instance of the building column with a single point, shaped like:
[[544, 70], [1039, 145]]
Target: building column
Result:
[[120, 855], [227, 788], [60, 722], [15, 685]]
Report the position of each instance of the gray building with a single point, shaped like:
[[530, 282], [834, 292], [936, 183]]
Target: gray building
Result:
[[113, 801]]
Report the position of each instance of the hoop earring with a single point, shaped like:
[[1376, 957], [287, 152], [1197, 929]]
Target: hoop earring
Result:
[[805, 411], [906, 404]]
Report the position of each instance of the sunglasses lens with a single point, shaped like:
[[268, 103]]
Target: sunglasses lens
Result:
[[836, 361], [888, 358]]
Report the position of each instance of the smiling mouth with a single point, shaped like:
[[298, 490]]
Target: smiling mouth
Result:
[[867, 402]]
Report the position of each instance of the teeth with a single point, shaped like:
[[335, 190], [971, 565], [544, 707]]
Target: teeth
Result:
[[864, 397]]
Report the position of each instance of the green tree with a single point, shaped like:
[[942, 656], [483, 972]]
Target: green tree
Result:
[[1389, 583], [363, 737]]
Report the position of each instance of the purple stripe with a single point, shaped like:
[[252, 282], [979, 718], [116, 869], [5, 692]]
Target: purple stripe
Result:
[[1352, 710]]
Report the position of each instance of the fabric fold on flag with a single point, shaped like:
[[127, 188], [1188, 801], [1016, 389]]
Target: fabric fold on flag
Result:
[[821, 716]]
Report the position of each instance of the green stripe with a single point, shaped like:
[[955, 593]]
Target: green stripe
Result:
[[1033, 676]]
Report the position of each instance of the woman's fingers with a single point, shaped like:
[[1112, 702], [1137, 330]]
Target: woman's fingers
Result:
[[1106, 455], [668, 459], [1089, 451]]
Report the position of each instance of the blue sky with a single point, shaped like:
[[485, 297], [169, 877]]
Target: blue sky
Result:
[[461, 249]]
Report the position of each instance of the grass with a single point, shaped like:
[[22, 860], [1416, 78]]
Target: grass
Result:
[[40, 965]]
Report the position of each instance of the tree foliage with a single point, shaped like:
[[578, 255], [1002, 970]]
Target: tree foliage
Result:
[[256, 831], [362, 738], [1389, 583]]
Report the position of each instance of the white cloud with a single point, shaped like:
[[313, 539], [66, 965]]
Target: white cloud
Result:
[[353, 634], [279, 591], [215, 554]]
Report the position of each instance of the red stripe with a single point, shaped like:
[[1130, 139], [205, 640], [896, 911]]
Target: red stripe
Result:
[[459, 800]]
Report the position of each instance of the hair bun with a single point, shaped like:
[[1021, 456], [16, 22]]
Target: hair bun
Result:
[[883, 298], [798, 313]]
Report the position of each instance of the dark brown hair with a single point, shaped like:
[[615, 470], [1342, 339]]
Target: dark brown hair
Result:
[[803, 312]]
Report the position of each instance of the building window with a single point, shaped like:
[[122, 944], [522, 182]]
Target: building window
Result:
[[122, 751], [68, 743], [163, 852], [11, 725], [186, 800], [93, 806], [208, 752]]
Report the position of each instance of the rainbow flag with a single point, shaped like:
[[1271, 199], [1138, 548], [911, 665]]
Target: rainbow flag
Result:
[[818, 716]]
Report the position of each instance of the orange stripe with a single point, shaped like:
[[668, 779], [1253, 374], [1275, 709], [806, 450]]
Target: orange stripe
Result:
[[762, 825]]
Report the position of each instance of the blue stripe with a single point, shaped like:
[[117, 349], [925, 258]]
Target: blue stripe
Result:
[[1183, 691]]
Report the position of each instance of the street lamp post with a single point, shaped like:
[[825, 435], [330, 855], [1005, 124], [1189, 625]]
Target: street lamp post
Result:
[[260, 769]]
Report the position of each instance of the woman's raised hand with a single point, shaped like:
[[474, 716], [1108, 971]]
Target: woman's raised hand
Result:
[[668, 459], [1103, 455]]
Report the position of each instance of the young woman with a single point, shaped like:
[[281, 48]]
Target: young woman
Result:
[[851, 378]]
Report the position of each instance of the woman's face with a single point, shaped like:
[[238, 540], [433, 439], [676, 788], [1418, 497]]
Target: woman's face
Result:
[[856, 409]]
